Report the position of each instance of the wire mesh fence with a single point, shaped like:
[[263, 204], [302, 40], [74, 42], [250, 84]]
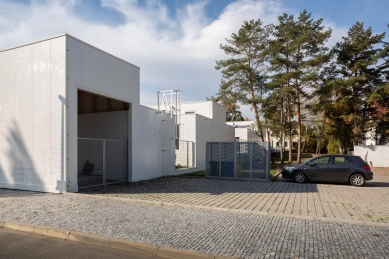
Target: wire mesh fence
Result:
[[243, 160], [185, 154], [101, 162]]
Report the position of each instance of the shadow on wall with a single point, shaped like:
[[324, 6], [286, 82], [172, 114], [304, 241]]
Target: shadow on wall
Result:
[[21, 167], [366, 156]]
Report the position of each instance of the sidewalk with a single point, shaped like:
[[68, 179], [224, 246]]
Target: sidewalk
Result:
[[210, 231], [334, 202]]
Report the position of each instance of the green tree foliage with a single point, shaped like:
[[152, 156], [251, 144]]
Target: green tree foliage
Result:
[[242, 73], [295, 84], [355, 86], [297, 54], [333, 146]]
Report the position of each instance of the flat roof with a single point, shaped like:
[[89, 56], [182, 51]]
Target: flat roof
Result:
[[70, 36]]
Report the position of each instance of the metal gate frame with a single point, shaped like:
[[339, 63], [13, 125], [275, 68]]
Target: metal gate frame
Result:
[[235, 146], [104, 161]]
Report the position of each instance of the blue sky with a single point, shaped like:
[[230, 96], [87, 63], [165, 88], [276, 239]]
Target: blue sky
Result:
[[175, 42]]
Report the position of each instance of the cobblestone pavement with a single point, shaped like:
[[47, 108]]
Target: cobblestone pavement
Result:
[[240, 235], [336, 202]]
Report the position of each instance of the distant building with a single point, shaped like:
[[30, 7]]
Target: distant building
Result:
[[247, 131]]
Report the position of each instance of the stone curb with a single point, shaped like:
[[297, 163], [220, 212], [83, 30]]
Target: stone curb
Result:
[[127, 245], [259, 213]]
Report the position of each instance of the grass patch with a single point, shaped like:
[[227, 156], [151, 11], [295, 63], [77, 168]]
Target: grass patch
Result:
[[274, 168], [195, 174]]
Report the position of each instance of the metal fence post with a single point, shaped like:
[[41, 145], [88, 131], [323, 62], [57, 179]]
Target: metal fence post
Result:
[[251, 160], [104, 163], [220, 159], [193, 154], [235, 144], [268, 161], [187, 154]]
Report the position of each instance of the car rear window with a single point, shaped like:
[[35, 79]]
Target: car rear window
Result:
[[342, 160], [358, 160]]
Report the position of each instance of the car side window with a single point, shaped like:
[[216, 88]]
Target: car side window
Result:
[[321, 160], [341, 160]]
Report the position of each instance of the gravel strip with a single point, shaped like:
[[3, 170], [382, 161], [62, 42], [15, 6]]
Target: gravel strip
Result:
[[206, 231]]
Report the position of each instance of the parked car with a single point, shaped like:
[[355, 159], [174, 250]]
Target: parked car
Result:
[[330, 168]]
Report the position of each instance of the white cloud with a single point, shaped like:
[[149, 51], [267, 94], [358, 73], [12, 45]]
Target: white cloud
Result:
[[174, 51]]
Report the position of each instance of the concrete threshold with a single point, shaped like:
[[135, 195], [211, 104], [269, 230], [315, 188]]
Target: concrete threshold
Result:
[[127, 245], [259, 213]]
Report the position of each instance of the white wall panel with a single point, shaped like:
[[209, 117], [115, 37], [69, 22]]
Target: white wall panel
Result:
[[201, 108], [32, 78], [90, 67], [106, 75], [58, 112], [7, 114], [188, 127], [41, 106], [74, 71], [210, 130], [150, 138], [241, 133], [23, 136], [377, 156]]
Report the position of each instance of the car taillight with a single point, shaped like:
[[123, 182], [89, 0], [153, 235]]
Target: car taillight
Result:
[[366, 166]]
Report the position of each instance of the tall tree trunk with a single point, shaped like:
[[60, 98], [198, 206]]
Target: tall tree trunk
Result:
[[319, 143], [256, 114], [282, 132], [290, 160], [355, 130], [268, 139], [299, 150]]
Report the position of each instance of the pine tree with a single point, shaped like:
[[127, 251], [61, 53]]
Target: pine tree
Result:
[[243, 75], [357, 81], [297, 55]]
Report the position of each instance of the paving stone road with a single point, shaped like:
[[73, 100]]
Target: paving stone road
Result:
[[240, 235], [336, 202]]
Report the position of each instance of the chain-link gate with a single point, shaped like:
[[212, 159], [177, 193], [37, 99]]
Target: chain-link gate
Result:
[[102, 162], [243, 160]]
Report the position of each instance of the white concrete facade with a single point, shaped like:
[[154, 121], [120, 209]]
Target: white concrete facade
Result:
[[33, 114], [203, 122], [246, 134], [39, 84], [376, 156]]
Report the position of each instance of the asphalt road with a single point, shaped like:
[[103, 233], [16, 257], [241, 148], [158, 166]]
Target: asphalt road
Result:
[[15, 244]]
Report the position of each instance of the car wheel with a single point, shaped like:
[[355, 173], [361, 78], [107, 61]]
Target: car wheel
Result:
[[357, 180], [299, 177]]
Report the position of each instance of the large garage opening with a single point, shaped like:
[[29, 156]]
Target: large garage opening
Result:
[[102, 140]]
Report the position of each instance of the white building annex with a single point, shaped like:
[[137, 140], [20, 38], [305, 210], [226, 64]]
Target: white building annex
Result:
[[203, 122], [246, 131], [70, 116]]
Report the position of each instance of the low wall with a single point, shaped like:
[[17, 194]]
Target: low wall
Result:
[[377, 156]]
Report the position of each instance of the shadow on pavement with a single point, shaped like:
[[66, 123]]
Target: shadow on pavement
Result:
[[201, 185]]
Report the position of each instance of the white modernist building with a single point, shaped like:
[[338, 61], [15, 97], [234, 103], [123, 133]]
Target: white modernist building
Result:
[[70, 116], [203, 122], [246, 131]]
